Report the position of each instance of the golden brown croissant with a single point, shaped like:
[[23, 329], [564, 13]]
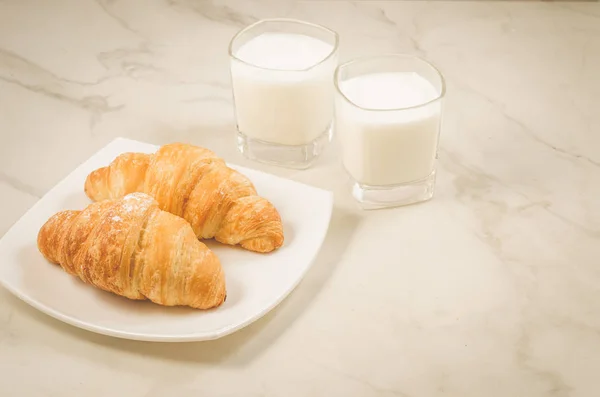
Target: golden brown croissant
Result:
[[131, 248], [195, 184]]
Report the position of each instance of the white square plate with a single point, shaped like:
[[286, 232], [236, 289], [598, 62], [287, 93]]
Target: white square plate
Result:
[[256, 283]]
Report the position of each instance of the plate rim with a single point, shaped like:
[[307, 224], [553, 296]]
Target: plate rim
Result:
[[148, 336]]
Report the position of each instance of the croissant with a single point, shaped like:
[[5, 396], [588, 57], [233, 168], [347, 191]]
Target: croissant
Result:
[[194, 183], [131, 248]]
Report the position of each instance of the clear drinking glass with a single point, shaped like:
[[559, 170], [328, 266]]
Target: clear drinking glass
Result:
[[282, 80], [388, 117]]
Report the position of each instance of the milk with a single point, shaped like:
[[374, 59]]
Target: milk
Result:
[[280, 95], [394, 146]]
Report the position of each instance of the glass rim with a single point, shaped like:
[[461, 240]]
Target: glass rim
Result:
[[384, 56], [288, 20]]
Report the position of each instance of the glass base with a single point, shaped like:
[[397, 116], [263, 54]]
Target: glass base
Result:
[[376, 197], [299, 156]]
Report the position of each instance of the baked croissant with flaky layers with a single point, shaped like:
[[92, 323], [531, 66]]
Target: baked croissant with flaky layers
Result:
[[194, 183], [129, 247]]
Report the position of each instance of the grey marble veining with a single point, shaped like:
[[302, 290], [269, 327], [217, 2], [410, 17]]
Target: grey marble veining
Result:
[[491, 289]]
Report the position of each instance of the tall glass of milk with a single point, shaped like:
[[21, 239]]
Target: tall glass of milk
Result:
[[283, 90], [388, 116]]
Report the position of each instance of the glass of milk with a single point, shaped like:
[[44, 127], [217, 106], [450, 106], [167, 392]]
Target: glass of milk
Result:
[[388, 116], [282, 80]]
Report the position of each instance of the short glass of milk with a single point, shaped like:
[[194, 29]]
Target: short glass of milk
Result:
[[282, 81], [388, 112]]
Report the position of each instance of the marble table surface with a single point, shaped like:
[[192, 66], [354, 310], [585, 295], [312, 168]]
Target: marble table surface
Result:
[[490, 289]]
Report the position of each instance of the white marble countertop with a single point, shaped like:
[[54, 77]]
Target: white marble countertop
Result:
[[490, 289]]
